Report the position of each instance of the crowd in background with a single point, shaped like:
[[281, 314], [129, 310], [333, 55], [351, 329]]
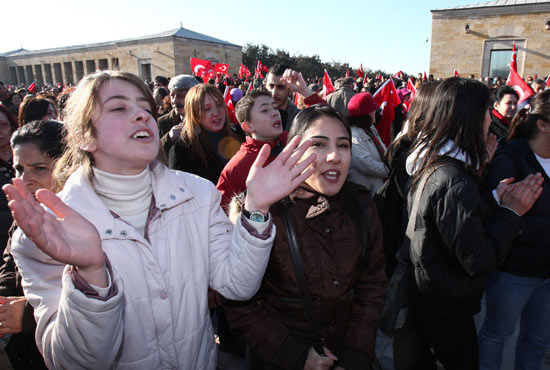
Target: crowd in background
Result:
[[468, 161]]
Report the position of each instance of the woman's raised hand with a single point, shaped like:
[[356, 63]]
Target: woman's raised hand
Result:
[[520, 196], [68, 238], [267, 185]]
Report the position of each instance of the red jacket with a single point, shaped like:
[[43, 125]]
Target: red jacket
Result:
[[232, 180]]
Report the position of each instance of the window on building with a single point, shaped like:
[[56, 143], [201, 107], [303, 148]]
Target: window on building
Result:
[[21, 75], [13, 73], [103, 64], [145, 69], [90, 66], [79, 70], [114, 64], [38, 74], [48, 73], [29, 75], [69, 76], [58, 77], [499, 64]]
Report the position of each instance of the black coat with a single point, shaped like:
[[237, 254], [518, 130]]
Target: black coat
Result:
[[459, 237], [530, 255]]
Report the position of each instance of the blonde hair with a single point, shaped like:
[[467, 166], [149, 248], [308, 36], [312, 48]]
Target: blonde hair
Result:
[[192, 135], [79, 126]]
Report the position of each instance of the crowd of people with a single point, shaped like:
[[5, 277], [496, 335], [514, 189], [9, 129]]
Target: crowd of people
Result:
[[144, 221]]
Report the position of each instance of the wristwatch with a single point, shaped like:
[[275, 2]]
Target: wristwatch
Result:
[[255, 216]]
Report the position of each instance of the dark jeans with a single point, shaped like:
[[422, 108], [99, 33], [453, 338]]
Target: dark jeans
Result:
[[452, 340]]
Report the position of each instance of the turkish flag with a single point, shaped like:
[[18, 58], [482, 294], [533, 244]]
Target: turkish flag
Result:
[[327, 85], [456, 73], [517, 83], [230, 107], [379, 76], [387, 99], [222, 68], [32, 88], [514, 62], [536, 76], [548, 81], [410, 86], [261, 67], [425, 78], [399, 75], [200, 67], [347, 73], [360, 71], [250, 87]]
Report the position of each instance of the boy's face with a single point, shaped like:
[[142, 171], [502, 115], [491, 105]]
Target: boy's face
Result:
[[265, 119]]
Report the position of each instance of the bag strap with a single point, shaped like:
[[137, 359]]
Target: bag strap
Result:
[[317, 338]]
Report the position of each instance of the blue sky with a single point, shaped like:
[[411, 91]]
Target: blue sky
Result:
[[387, 35]]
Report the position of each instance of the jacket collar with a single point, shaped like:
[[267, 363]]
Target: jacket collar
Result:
[[168, 191], [500, 117]]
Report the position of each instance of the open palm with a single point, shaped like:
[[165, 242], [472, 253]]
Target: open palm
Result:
[[267, 185], [66, 237]]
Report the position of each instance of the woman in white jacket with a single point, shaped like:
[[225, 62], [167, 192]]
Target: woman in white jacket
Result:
[[119, 273], [367, 166]]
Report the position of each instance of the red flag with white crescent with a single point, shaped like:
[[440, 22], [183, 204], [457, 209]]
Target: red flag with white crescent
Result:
[[514, 62], [455, 74], [327, 85], [386, 97], [261, 67], [229, 104], [524, 91], [200, 67], [32, 88], [399, 75], [222, 68], [412, 89]]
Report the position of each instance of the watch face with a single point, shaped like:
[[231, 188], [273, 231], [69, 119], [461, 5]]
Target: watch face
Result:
[[257, 217]]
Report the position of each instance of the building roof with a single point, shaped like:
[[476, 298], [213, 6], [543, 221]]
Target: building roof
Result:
[[178, 32], [495, 4], [498, 7]]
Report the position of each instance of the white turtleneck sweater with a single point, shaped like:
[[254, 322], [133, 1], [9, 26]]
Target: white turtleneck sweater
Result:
[[129, 196]]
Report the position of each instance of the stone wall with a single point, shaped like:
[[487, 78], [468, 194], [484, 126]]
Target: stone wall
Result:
[[469, 53]]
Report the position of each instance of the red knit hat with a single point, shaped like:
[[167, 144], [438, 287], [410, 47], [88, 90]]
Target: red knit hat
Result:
[[361, 104]]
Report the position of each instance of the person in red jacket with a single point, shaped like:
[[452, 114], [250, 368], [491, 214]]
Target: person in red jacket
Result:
[[261, 121]]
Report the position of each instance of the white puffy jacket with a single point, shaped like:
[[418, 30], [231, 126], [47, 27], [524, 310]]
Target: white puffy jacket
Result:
[[159, 319], [367, 167]]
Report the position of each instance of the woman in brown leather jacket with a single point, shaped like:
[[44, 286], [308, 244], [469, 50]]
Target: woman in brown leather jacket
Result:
[[340, 245]]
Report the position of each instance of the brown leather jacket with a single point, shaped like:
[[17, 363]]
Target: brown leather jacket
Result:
[[347, 290]]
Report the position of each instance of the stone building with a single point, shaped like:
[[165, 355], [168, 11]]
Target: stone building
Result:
[[165, 54], [477, 39]]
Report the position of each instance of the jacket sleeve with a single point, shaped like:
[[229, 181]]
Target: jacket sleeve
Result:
[[73, 331], [362, 158], [267, 336], [368, 301], [479, 243], [238, 259]]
